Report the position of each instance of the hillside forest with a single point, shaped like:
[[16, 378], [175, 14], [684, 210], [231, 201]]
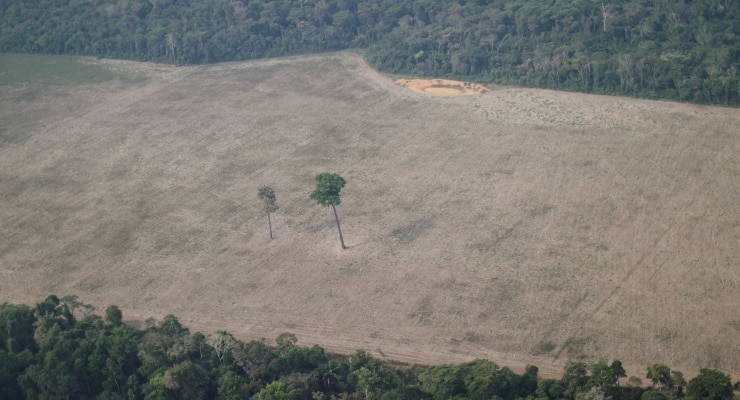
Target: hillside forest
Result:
[[658, 49], [47, 353]]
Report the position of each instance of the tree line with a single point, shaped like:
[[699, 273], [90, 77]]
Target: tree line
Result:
[[684, 50], [46, 352]]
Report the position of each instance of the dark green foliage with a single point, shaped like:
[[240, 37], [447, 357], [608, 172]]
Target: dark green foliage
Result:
[[70, 362], [254, 358], [276, 391], [267, 195], [483, 380], [528, 382], [232, 386], [549, 389], [327, 189], [52, 355], [602, 376], [686, 51], [299, 359], [710, 385], [332, 376], [53, 312], [652, 395], [574, 379], [113, 315], [186, 380], [660, 375], [366, 381], [669, 383], [16, 328], [618, 370], [326, 194], [443, 382], [628, 393], [478, 379], [12, 366]]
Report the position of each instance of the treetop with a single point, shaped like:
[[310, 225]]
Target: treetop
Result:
[[328, 186], [267, 194]]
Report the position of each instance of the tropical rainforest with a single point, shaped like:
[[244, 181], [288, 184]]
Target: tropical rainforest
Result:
[[48, 353], [685, 50]]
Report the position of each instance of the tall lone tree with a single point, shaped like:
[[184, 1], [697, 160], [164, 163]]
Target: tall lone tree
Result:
[[327, 194], [267, 195]]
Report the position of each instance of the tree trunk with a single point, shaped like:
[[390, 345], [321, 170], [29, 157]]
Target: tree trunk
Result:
[[339, 228], [269, 223]]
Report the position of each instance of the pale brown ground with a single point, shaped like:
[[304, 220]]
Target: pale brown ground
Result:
[[477, 226], [445, 87]]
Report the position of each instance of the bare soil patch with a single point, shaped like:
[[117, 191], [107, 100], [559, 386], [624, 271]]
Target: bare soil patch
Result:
[[524, 226], [443, 87]]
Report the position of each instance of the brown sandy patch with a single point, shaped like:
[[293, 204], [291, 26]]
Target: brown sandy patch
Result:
[[442, 87]]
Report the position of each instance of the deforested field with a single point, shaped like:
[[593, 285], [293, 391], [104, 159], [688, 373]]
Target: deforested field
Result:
[[519, 225]]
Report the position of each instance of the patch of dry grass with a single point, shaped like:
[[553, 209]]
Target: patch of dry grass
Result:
[[478, 226]]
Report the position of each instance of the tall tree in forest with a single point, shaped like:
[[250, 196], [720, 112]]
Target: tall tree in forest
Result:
[[326, 194], [267, 195], [660, 375]]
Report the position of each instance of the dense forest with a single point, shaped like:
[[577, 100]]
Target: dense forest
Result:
[[684, 50], [48, 353]]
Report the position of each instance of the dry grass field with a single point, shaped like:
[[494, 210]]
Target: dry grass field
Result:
[[519, 225]]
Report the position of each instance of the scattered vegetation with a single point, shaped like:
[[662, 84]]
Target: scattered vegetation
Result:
[[574, 347], [545, 347]]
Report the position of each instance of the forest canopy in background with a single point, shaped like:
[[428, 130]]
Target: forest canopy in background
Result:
[[658, 49]]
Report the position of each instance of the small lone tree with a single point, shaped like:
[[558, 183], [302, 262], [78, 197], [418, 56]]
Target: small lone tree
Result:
[[327, 194], [267, 195]]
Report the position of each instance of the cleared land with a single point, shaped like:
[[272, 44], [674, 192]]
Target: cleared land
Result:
[[443, 87], [524, 226]]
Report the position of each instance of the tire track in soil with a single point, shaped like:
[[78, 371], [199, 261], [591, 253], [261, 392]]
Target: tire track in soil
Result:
[[640, 262], [627, 276]]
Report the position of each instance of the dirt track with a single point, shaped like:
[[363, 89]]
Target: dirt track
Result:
[[478, 226]]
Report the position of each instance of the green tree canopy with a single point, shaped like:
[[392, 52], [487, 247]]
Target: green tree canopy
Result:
[[682, 50], [267, 195], [710, 385], [602, 375], [113, 315], [276, 390], [652, 395], [660, 375], [92, 359], [326, 194], [327, 189]]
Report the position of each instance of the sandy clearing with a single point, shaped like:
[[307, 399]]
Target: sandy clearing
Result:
[[442, 87]]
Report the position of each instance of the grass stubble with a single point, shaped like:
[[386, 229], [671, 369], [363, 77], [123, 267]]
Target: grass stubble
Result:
[[522, 225]]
